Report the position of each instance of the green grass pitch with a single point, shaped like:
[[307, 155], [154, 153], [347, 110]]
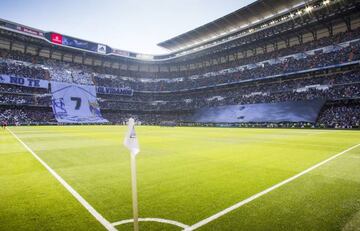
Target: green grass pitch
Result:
[[184, 174]]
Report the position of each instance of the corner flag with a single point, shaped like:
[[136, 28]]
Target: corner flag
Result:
[[132, 144], [130, 140]]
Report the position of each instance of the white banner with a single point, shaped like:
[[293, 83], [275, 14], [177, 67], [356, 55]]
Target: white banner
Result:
[[75, 103], [115, 91], [21, 81]]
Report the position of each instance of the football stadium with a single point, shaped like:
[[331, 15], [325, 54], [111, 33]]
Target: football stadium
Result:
[[248, 122]]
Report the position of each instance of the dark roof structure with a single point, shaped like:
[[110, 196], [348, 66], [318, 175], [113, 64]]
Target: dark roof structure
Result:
[[231, 23]]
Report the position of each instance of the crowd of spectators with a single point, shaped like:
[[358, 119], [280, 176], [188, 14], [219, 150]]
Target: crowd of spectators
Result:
[[328, 87], [22, 69], [65, 72], [338, 92], [31, 100], [26, 116], [15, 89], [14, 116], [268, 64], [310, 45], [340, 116], [20, 56], [153, 103], [275, 85], [25, 65], [283, 66], [69, 73], [9, 99]]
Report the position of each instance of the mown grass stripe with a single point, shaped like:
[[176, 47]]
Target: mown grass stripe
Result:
[[262, 193], [73, 192]]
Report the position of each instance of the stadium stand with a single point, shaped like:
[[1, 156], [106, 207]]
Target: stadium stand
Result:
[[296, 55]]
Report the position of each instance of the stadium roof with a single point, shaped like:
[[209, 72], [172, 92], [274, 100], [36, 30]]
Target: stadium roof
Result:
[[235, 21]]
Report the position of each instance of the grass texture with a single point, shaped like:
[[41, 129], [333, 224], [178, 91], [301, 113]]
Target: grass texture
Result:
[[184, 174]]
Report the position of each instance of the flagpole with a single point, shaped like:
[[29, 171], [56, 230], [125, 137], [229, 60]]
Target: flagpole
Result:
[[134, 192], [132, 144]]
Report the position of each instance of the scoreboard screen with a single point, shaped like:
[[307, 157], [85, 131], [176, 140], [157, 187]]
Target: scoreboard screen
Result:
[[76, 43]]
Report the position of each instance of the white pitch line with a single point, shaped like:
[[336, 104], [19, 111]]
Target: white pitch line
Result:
[[82, 201], [241, 203], [171, 222]]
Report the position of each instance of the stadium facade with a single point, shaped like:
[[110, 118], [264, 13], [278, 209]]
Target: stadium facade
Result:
[[271, 63]]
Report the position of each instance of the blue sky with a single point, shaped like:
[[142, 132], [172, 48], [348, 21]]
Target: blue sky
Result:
[[135, 25]]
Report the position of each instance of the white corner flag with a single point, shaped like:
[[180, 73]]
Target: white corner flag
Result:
[[130, 140], [132, 144]]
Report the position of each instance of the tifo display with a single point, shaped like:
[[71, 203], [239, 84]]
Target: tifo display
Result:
[[257, 76], [248, 122]]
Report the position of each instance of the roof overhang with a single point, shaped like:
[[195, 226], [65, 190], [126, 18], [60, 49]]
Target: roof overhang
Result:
[[231, 23]]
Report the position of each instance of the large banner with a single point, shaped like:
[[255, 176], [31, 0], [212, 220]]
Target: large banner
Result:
[[115, 91], [21, 81], [75, 103], [299, 111]]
